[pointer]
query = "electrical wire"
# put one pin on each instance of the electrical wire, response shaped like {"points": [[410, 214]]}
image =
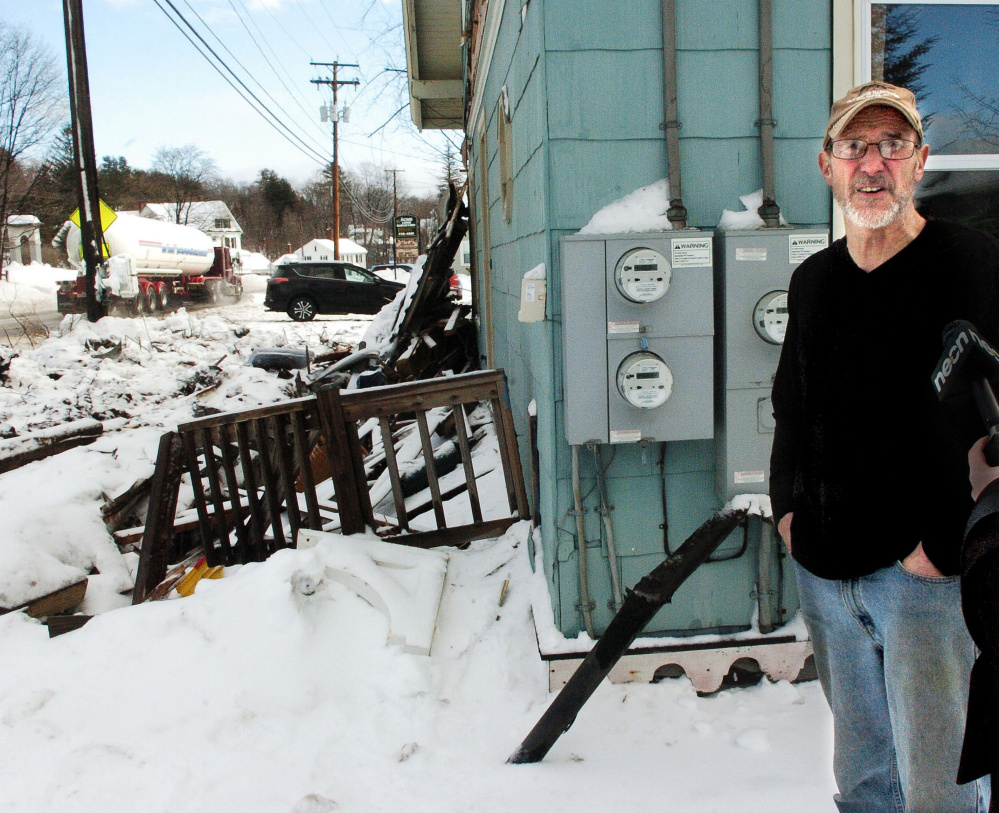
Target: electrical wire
{"points": [[245, 69], [299, 99], [274, 121]]}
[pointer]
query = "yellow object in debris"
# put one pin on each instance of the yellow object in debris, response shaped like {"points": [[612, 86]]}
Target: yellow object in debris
{"points": [[187, 585]]}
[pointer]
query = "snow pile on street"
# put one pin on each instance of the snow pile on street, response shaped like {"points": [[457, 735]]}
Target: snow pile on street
{"points": [[750, 218], [641, 210], [31, 287], [251, 696]]}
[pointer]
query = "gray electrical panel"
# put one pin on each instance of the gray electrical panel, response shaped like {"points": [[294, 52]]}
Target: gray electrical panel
{"points": [[637, 328], [753, 269]]}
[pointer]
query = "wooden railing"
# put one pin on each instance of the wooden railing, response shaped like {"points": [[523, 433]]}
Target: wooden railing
{"points": [[253, 472]]}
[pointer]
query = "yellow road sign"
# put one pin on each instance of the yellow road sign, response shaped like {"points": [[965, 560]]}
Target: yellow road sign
{"points": [[108, 216]]}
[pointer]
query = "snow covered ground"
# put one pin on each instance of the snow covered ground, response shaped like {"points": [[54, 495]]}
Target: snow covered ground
{"points": [[250, 696]]}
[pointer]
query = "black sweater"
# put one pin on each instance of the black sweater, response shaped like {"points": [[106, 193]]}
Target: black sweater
{"points": [[864, 455]]}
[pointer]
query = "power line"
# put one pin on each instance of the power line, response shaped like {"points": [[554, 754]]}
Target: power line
{"points": [[241, 65], [276, 123]]}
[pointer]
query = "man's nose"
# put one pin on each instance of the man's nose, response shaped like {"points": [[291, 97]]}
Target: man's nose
{"points": [[872, 161]]}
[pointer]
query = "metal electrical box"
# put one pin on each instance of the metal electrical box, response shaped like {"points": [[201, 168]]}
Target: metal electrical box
{"points": [[637, 328], [752, 276]]}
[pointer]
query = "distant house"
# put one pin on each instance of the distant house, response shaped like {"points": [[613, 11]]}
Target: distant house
{"points": [[210, 216], [22, 230], [350, 252]]}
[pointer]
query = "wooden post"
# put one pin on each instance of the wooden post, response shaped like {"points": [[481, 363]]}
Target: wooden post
{"points": [[334, 425], [159, 519]]}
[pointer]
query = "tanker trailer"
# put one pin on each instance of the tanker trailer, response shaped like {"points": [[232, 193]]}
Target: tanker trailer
{"points": [[168, 264]]}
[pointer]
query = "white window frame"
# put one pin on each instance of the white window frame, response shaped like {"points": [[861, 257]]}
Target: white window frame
{"points": [[862, 68]]}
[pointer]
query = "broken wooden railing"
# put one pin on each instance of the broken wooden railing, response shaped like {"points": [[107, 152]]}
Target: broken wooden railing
{"points": [[259, 475]]}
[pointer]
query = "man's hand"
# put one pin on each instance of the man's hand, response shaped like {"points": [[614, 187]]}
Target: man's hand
{"points": [[919, 563], [981, 472], [784, 529]]}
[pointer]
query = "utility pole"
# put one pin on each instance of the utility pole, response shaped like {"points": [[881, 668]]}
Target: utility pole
{"points": [[395, 212], [335, 84], [84, 156]]}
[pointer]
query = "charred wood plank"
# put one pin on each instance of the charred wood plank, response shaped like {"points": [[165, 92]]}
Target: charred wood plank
{"points": [[18, 452], [158, 531]]}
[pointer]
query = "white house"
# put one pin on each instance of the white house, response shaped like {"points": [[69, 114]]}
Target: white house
{"points": [[210, 216], [322, 249]]}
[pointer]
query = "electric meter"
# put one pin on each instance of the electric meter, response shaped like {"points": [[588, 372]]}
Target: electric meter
{"points": [[644, 380], [642, 275], [770, 317]]}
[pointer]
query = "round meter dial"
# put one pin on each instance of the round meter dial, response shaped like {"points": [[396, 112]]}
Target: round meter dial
{"points": [[644, 380], [642, 275], [770, 317]]}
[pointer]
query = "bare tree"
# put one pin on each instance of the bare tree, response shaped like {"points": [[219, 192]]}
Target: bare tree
{"points": [[31, 109], [187, 169]]}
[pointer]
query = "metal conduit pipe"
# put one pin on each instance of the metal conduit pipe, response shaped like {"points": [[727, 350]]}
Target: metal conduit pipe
{"points": [[769, 211], [608, 529], [677, 212], [584, 585]]}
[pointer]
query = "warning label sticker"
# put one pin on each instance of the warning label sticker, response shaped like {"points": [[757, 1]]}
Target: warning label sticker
{"points": [[625, 435], [802, 246], [751, 254], [690, 252], [741, 477], [624, 327]]}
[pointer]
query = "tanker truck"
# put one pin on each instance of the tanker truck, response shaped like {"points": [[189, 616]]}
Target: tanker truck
{"points": [[153, 266]]}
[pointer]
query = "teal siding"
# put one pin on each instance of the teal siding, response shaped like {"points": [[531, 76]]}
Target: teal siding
{"points": [[585, 85]]}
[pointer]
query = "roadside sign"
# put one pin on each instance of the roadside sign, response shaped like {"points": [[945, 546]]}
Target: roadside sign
{"points": [[108, 216], [407, 227]]}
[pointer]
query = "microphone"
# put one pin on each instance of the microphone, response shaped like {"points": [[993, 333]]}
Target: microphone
{"points": [[969, 361]]}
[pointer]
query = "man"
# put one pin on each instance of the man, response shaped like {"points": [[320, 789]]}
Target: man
{"points": [[876, 554], [980, 599]]}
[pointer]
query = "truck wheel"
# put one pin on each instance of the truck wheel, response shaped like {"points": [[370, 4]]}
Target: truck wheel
{"points": [[150, 298], [163, 295], [302, 309]]}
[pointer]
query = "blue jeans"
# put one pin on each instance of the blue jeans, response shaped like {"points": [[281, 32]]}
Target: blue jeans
{"points": [[894, 659]]}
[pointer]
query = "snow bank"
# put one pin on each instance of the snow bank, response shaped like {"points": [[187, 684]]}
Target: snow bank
{"points": [[250, 696], [641, 210]]}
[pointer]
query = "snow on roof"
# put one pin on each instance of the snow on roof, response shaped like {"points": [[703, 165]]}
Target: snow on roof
{"points": [[201, 214], [641, 210], [347, 246], [23, 220]]}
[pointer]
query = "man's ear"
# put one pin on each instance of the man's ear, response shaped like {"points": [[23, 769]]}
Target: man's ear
{"points": [[921, 155], [825, 166]]}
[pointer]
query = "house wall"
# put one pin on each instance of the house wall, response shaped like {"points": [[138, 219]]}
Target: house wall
{"points": [[586, 101]]}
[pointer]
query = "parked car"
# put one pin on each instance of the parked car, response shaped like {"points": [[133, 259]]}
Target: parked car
{"points": [[303, 289]]}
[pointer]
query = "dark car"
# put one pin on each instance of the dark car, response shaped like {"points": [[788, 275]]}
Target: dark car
{"points": [[303, 289]]}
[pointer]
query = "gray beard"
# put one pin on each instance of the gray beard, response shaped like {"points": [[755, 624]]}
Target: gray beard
{"points": [[875, 220]]}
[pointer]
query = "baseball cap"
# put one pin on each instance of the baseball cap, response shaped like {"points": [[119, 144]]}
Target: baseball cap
{"points": [[867, 95]]}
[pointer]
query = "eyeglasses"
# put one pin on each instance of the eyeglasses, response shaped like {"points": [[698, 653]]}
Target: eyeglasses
{"points": [[892, 149]]}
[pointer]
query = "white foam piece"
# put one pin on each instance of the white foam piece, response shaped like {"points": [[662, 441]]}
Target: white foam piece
{"points": [[404, 583]]}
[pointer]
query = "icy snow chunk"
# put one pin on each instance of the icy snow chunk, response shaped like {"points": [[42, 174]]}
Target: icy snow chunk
{"points": [[641, 210], [403, 583], [749, 219]]}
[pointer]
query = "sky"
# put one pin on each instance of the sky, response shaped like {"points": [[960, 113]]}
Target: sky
{"points": [[151, 88]]}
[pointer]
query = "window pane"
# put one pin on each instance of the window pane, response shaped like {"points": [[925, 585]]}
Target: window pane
{"points": [[971, 198], [945, 54], [356, 275]]}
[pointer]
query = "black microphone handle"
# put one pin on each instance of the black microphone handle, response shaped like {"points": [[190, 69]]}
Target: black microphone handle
{"points": [[988, 408]]}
